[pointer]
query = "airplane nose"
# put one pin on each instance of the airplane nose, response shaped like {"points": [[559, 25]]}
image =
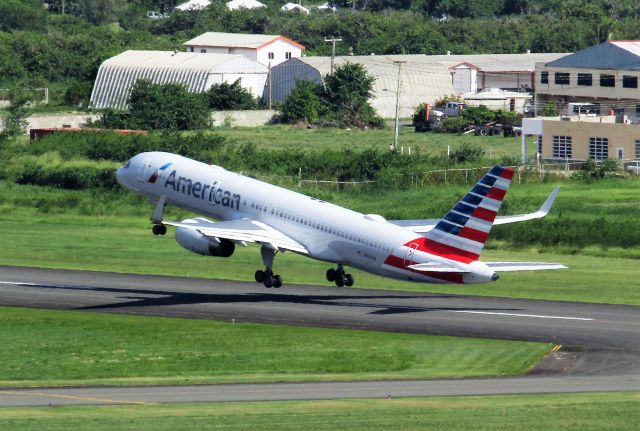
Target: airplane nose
{"points": [[119, 176]]}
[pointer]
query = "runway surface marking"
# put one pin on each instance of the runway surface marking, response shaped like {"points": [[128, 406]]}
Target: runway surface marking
{"points": [[488, 313], [71, 397]]}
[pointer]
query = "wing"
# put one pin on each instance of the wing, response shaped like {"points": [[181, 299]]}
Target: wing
{"points": [[522, 266], [243, 230], [423, 226]]}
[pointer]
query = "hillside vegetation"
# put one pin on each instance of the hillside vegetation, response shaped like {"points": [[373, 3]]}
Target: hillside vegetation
{"points": [[46, 48]]}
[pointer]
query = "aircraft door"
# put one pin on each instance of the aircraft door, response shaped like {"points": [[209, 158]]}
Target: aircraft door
{"points": [[408, 257], [144, 171]]}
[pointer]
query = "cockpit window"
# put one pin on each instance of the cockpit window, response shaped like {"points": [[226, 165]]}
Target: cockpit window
{"points": [[126, 165]]}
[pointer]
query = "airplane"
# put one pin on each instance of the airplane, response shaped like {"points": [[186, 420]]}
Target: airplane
{"points": [[280, 220]]}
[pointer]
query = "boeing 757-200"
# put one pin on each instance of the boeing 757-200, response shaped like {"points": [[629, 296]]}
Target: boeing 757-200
{"points": [[248, 210]]}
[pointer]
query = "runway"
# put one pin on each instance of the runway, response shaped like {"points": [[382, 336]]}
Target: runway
{"points": [[598, 340]]}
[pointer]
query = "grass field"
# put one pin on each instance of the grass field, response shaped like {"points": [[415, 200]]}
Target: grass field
{"points": [[284, 136], [44, 347], [586, 412], [126, 245]]}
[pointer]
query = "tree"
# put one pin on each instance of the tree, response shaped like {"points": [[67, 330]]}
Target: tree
{"points": [[100, 11], [167, 107], [16, 121], [303, 103], [347, 91], [225, 96], [21, 15]]}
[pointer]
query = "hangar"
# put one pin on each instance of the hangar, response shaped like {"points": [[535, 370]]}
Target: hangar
{"points": [[422, 79], [197, 71]]}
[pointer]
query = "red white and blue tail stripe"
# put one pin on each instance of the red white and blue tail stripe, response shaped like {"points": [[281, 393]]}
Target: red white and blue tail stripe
{"points": [[461, 234]]}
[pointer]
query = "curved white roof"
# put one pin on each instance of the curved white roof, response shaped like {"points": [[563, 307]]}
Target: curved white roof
{"points": [[117, 75]]}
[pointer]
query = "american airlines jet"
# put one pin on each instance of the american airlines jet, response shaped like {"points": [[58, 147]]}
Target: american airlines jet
{"points": [[248, 210]]}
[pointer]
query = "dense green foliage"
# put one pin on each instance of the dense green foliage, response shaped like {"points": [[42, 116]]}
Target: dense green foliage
{"points": [[226, 97], [166, 107], [36, 45], [342, 100], [303, 104]]}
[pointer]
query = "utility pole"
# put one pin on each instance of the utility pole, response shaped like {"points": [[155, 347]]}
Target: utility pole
{"points": [[270, 86], [333, 41], [395, 131]]}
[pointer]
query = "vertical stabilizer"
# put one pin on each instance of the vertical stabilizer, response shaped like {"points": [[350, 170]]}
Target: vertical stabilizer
{"points": [[461, 234]]}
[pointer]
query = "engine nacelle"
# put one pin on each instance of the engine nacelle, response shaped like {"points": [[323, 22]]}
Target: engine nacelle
{"points": [[195, 242]]}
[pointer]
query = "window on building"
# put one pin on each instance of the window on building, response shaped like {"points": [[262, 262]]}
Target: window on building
{"points": [[629, 81], [562, 147], [287, 55], [585, 79], [544, 77], [539, 144], [191, 49], [203, 51], [637, 148], [598, 148], [607, 80], [562, 78], [271, 56]]}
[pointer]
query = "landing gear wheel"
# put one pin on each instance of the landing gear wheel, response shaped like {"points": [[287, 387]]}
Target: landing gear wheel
{"points": [[348, 280], [259, 276], [331, 274], [277, 281], [268, 281], [340, 280], [159, 229]]}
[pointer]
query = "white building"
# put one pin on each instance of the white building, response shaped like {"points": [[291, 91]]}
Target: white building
{"points": [[476, 72], [244, 4], [294, 7], [193, 5], [198, 72], [263, 48], [422, 79]]}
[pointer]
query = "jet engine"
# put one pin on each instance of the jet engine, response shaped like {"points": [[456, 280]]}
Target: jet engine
{"points": [[198, 243]]}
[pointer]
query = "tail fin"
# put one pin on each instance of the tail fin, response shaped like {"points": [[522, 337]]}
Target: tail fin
{"points": [[461, 234]]}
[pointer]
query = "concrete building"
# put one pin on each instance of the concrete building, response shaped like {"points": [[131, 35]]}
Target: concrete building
{"points": [[421, 80], [198, 72], [583, 138], [193, 5], [604, 75], [263, 48], [476, 72]]}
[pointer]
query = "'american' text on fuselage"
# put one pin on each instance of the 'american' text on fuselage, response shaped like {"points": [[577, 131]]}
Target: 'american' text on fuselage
{"points": [[212, 193]]}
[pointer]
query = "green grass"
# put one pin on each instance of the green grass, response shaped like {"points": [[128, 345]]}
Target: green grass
{"points": [[44, 347], [587, 412], [126, 245], [318, 139]]}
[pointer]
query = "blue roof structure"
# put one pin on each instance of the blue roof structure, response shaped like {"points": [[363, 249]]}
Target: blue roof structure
{"points": [[615, 54]]}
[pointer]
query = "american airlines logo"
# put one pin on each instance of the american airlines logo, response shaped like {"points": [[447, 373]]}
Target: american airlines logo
{"points": [[211, 193]]}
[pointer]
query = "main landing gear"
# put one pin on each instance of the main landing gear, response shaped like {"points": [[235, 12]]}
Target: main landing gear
{"points": [[267, 277], [339, 277], [159, 229]]}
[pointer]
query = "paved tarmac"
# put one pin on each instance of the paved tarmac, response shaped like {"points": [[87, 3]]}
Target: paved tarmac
{"points": [[600, 342]]}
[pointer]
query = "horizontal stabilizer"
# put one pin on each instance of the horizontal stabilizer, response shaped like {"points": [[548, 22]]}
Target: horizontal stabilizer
{"points": [[436, 267], [522, 266]]}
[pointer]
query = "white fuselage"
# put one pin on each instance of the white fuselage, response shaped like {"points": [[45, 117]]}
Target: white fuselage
{"points": [[329, 232]]}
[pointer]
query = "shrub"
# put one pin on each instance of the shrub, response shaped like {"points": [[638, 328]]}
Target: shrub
{"points": [[478, 115], [228, 97], [78, 94], [453, 124], [467, 153], [303, 103]]}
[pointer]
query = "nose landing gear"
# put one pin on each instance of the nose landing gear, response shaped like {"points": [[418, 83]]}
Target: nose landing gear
{"points": [[339, 277]]}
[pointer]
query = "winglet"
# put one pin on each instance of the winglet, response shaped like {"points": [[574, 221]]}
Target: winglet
{"points": [[542, 211]]}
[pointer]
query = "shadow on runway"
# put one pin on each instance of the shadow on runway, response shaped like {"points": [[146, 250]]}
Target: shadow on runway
{"points": [[159, 298]]}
